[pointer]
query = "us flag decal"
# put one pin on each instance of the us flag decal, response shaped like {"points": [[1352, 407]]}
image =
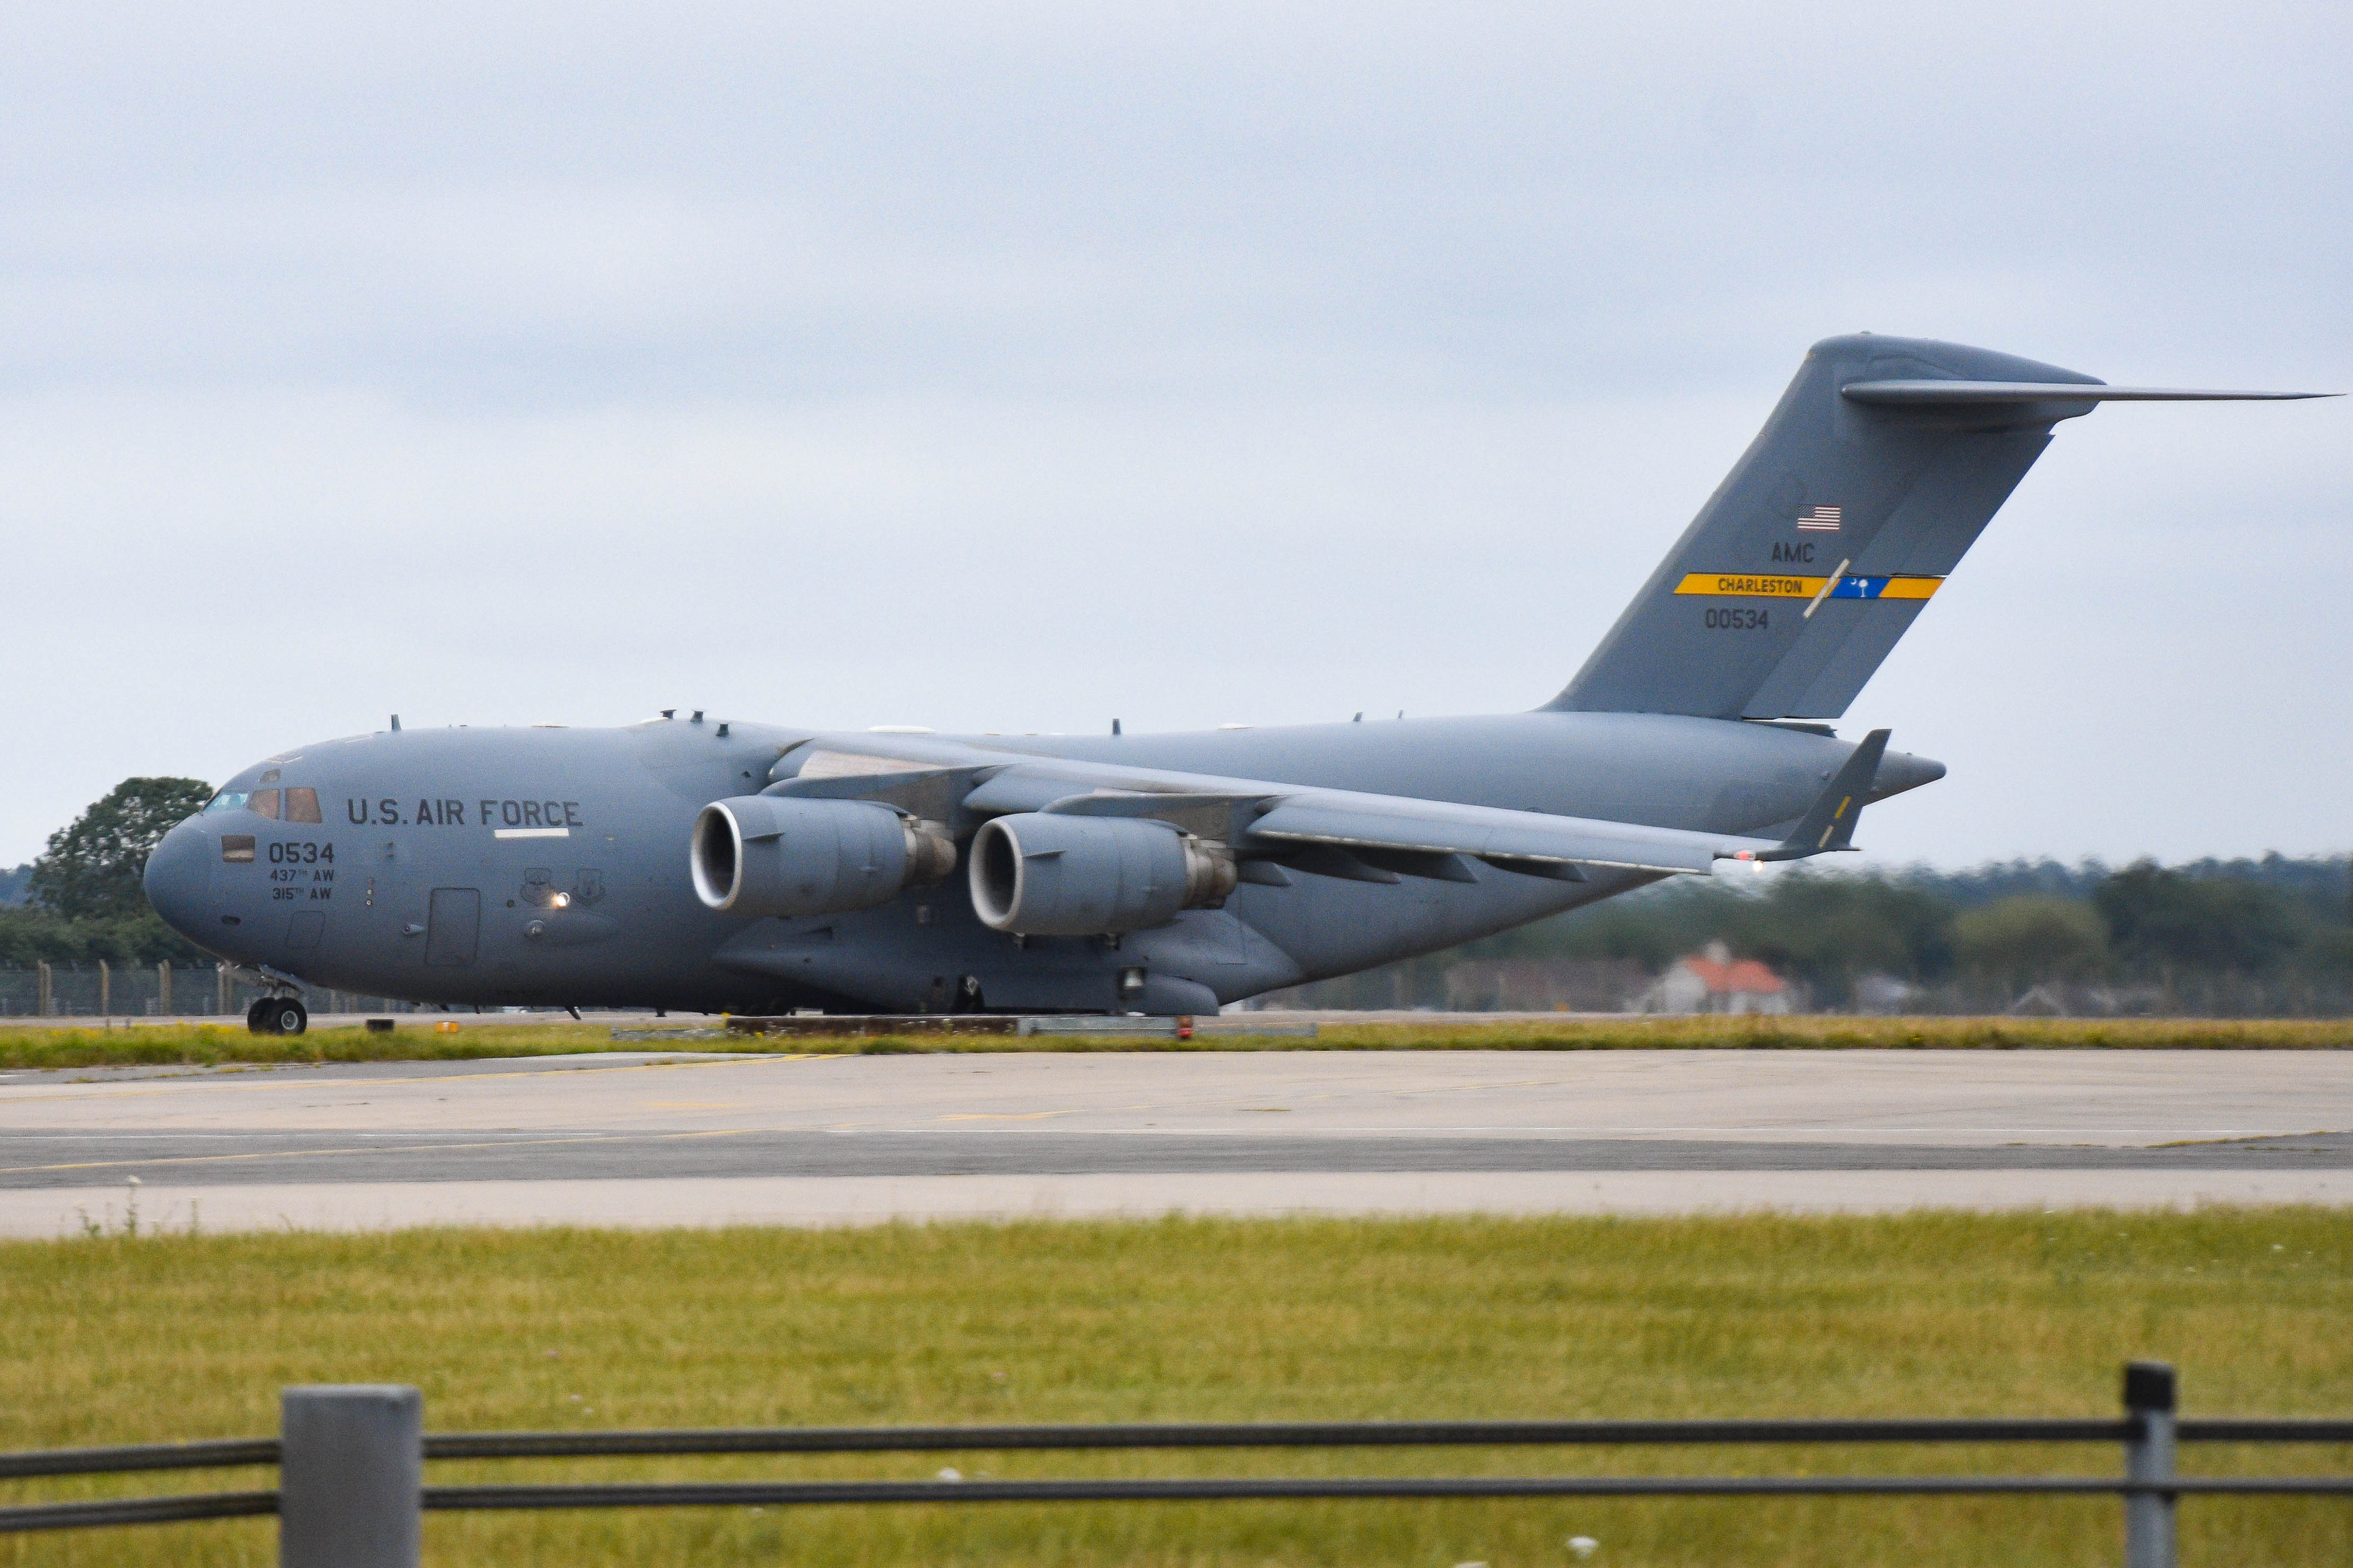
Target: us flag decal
{"points": [[1821, 519]]}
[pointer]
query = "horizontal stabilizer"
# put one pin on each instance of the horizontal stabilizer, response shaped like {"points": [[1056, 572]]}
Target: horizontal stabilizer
{"points": [[1969, 394]]}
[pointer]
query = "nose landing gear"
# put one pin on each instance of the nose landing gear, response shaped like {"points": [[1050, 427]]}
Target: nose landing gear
{"points": [[278, 1015]]}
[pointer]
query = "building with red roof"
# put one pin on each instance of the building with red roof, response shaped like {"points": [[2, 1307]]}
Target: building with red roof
{"points": [[1713, 981]]}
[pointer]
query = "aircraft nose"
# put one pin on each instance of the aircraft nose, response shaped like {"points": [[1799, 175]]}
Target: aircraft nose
{"points": [[178, 875]]}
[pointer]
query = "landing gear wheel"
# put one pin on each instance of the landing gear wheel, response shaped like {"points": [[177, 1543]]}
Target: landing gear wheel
{"points": [[283, 1015], [253, 1020]]}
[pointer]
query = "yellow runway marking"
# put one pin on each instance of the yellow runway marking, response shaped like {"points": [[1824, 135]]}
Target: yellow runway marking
{"points": [[1008, 1116], [379, 1149], [1473, 1088], [1039, 1115], [38, 1094]]}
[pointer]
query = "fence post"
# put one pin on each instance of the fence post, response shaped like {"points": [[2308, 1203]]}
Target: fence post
{"points": [[163, 988], [46, 1001], [105, 989], [351, 1476], [220, 987], [2148, 1456]]}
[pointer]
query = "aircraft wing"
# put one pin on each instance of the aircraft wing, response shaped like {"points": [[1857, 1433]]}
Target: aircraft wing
{"points": [[1386, 830], [1341, 833], [1530, 842]]}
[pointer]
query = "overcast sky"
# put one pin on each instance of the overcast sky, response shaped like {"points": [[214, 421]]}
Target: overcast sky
{"points": [[1020, 367]]}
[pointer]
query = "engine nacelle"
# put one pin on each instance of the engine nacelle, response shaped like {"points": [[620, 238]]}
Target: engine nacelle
{"points": [[769, 855], [1047, 874]]}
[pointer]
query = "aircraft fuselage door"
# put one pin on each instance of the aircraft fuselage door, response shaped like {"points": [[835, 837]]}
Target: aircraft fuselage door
{"points": [[453, 925]]}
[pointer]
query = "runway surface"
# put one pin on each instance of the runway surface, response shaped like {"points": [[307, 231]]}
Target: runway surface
{"points": [[670, 1139]]}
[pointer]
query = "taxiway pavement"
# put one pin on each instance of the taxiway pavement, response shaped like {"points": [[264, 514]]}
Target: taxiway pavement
{"points": [[678, 1139]]}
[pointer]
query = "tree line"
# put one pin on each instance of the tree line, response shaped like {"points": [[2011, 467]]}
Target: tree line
{"points": [[2267, 935], [81, 900]]}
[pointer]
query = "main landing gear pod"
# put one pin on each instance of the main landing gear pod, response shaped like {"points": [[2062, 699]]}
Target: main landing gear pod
{"points": [[764, 854], [1045, 874], [276, 1016]]}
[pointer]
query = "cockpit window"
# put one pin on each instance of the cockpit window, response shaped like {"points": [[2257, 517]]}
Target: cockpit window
{"points": [[299, 805]]}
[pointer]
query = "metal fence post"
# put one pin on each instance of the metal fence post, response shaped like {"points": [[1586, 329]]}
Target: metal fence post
{"points": [[351, 1476], [2148, 1457], [105, 989], [163, 988]]}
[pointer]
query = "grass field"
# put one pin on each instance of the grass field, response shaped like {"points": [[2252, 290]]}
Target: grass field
{"points": [[214, 1045], [118, 1340]]}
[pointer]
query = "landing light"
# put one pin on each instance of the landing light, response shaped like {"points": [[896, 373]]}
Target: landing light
{"points": [[561, 900]]}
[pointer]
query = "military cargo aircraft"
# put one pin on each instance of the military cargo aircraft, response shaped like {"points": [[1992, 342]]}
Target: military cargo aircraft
{"points": [[719, 864]]}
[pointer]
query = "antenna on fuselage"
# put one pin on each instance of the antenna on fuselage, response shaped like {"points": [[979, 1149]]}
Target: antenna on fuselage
{"points": [[395, 722]]}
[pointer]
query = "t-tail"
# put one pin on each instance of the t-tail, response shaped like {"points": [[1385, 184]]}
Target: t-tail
{"points": [[1883, 463]]}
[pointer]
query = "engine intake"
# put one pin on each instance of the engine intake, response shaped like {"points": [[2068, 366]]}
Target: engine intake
{"points": [[1047, 874], [764, 854]]}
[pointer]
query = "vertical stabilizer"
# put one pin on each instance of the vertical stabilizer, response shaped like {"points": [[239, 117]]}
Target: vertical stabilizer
{"points": [[1830, 534]]}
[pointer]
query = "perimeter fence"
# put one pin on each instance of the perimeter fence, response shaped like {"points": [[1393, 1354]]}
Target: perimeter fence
{"points": [[104, 990], [351, 1491]]}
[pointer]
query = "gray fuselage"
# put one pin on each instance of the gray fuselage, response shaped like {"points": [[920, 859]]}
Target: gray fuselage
{"points": [[548, 866], [551, 866]]}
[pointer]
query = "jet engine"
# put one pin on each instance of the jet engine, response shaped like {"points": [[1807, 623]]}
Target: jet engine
{"points": [[765, 855], [1047, 874]]}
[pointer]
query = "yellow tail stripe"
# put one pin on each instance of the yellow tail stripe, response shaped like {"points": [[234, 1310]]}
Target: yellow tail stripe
{"points": [[1911, 587], [1761, 586]]}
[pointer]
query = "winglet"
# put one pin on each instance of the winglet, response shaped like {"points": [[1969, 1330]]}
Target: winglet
{"points": [[1829, 823]]}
